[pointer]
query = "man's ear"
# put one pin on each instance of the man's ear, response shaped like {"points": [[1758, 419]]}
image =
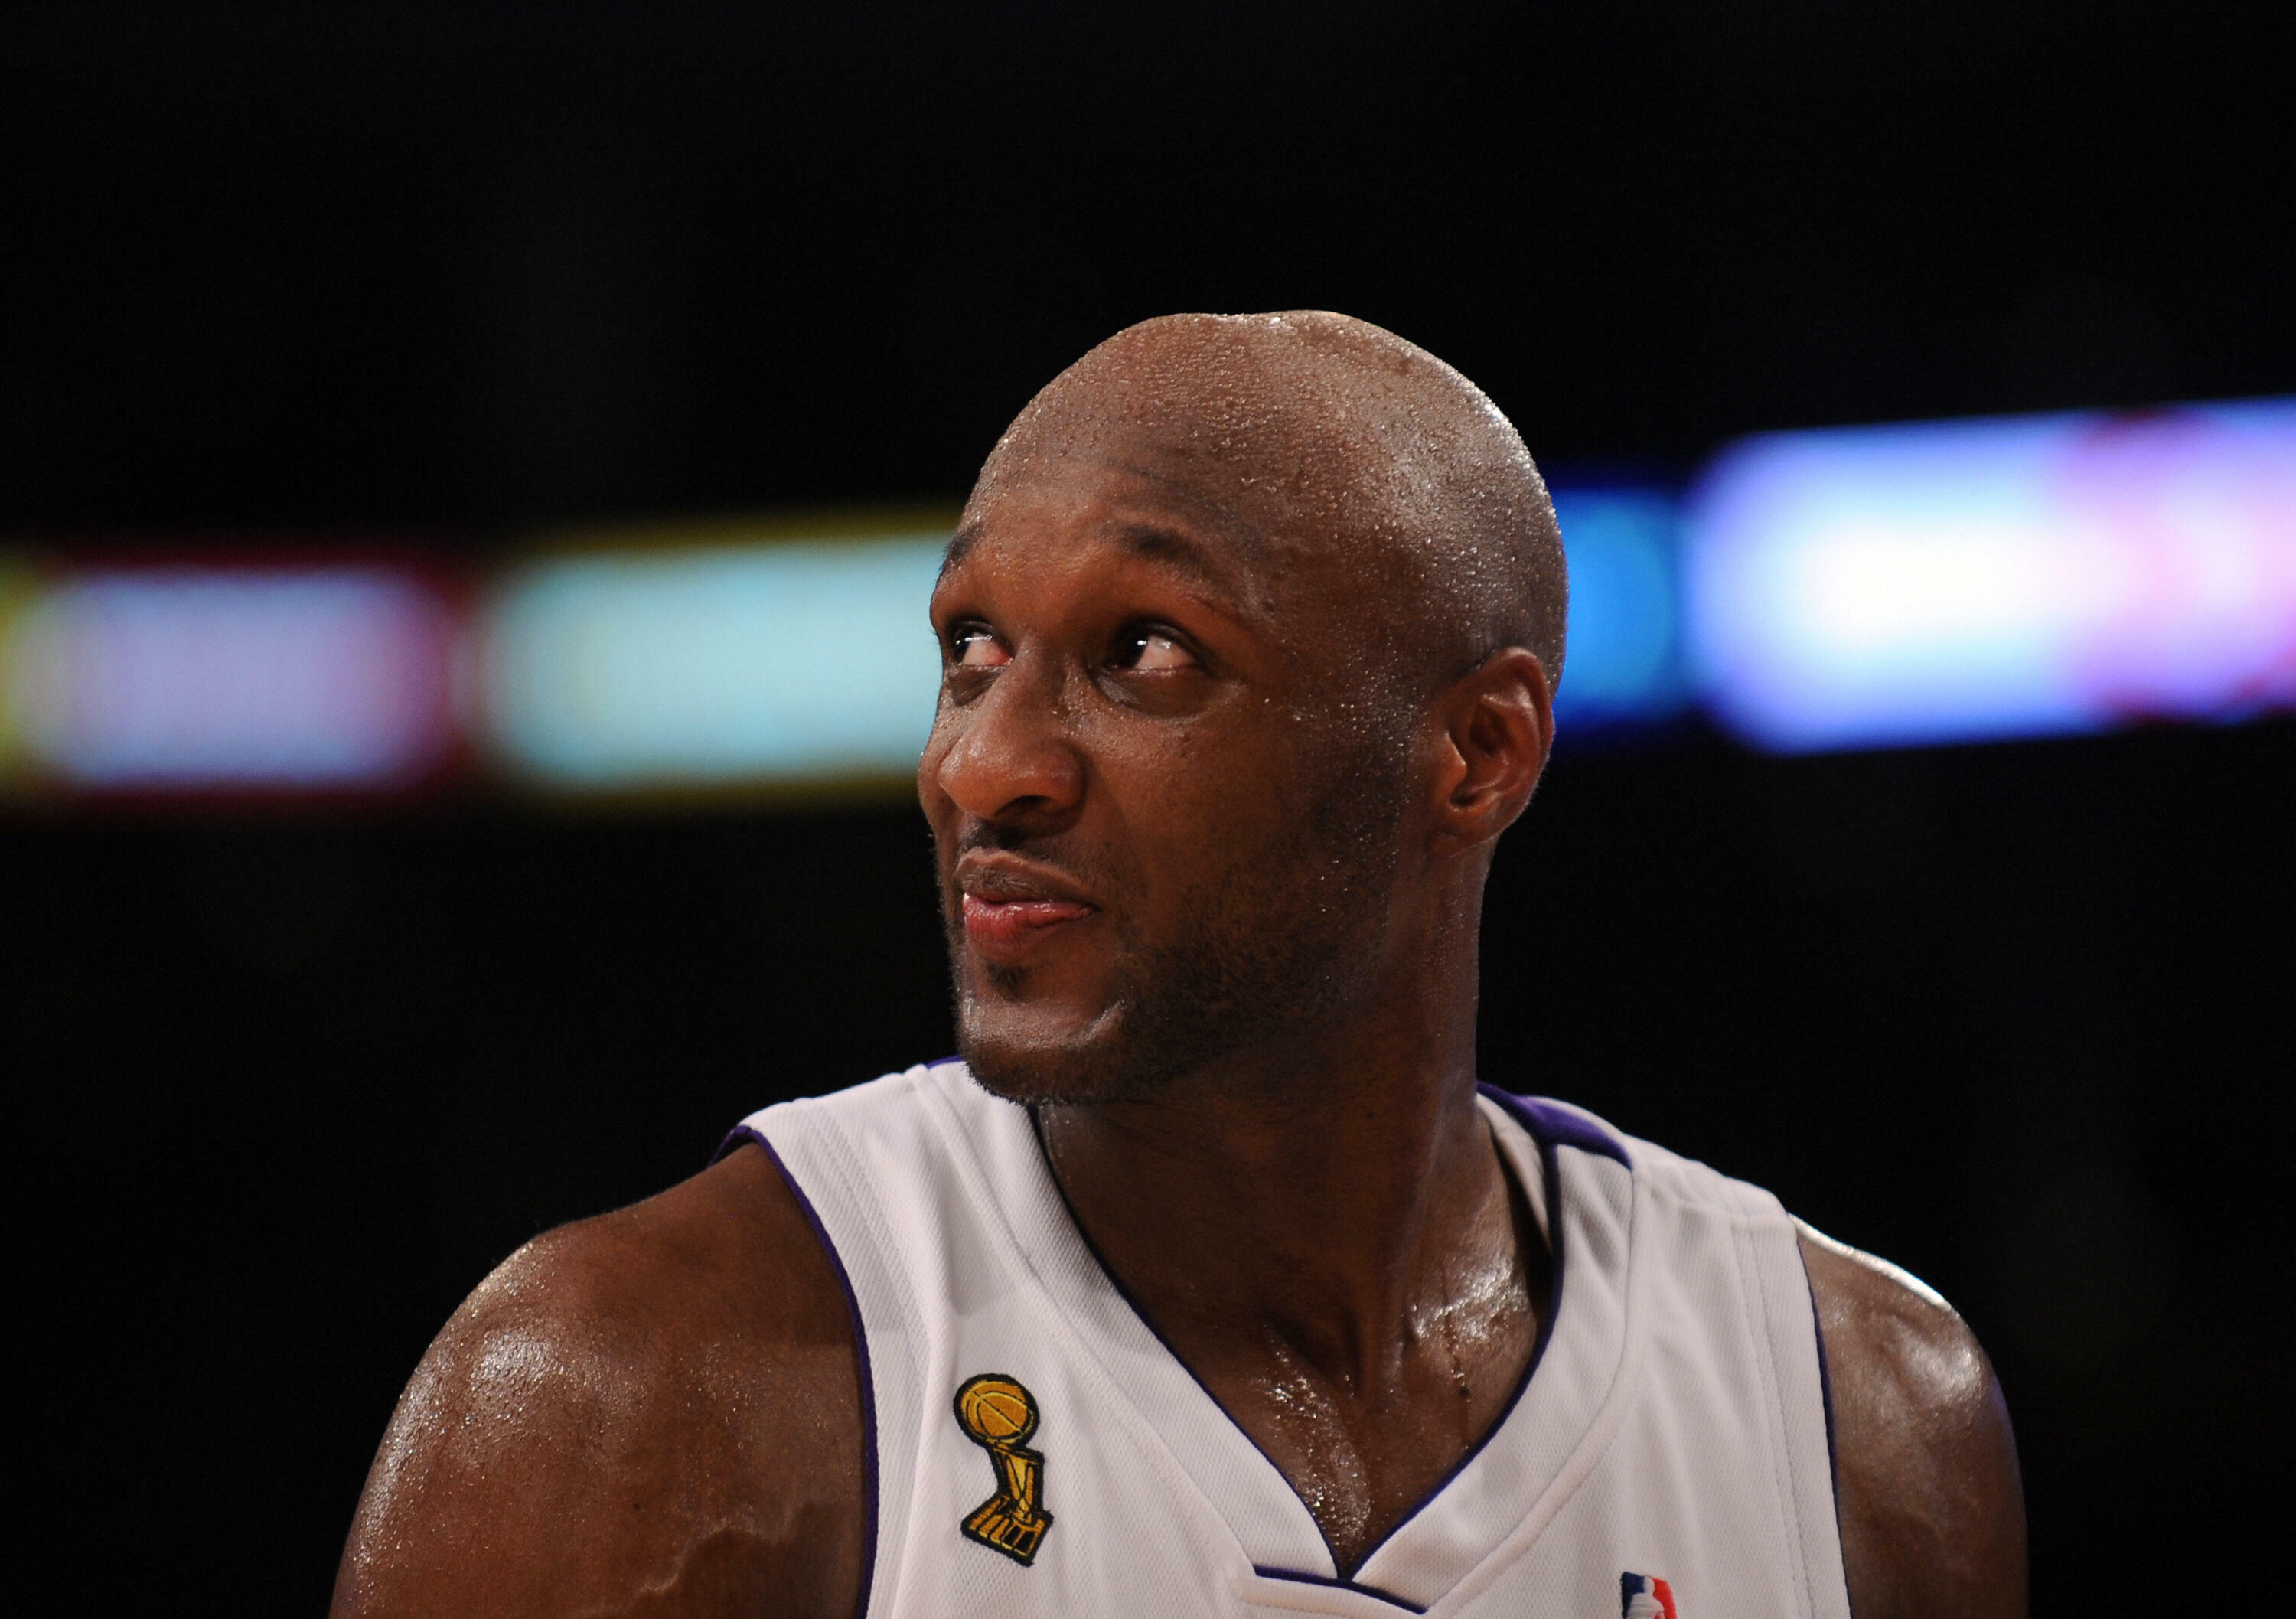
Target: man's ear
{"points": [[1498, 726]]}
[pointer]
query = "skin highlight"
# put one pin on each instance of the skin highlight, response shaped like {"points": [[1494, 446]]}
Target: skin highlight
{"points": [[1249, 636]]}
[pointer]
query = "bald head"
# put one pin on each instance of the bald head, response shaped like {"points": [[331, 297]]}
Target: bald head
{"points": [[1350, 462], [1247, 637]]}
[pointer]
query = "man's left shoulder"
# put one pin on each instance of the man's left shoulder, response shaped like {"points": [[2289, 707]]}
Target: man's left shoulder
{"points": [[1932, 1514]]}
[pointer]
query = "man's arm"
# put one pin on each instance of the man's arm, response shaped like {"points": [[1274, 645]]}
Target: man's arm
{"points": [[656, 1412], [1932, 1514]]}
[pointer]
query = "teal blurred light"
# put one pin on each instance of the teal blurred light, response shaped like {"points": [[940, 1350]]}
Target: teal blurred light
{"points": [[726, 666]]}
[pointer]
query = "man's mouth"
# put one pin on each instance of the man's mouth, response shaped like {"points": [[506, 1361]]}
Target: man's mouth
{"points": [[1002, 927], [1011, 908]]}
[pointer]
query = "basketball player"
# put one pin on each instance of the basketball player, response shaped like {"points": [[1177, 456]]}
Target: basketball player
{"points": [[1210, 1282]]}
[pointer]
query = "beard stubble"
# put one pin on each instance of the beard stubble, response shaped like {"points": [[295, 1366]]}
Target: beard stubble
{"points": [[1279, 939]]}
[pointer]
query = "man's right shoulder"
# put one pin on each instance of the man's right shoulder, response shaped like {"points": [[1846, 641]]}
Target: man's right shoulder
{"points": [[654, 1411]]}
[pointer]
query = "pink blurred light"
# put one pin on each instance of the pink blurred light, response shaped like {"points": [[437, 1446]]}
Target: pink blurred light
{"points": [[190, 678]]}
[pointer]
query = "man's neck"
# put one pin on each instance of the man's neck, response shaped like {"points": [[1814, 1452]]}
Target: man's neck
{"points": [[1328, 1240], [1314, 1210]]}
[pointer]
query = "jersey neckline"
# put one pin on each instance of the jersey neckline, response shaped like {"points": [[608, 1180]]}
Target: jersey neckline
{"points": [[1494, 1487]]}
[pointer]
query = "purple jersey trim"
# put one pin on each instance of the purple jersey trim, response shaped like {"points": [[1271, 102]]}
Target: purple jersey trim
{"points": [[1825, 1395], [1548, 1123], [743, 1135], [1372, 1591]]}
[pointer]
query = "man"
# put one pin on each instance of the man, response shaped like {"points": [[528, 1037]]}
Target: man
{"points": [[1210, 1282]]}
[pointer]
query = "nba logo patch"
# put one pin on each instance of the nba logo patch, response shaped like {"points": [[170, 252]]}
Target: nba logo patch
{"points": [[1645, 1597]]}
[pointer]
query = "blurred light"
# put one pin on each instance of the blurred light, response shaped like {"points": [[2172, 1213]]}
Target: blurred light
{"points": [[737, 664], [187, 677], [2011, 577], [1856, 589], [17, 584], [1622, 664]]}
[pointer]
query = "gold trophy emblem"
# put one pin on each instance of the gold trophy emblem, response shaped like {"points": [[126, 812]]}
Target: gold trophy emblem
{"points": [[1000, 1416]]}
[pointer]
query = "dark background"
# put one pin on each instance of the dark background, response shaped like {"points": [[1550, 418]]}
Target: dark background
{"points": [[285, 1082]]}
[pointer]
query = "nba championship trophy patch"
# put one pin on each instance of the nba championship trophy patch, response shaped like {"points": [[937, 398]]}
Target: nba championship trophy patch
{"points": [[1644, 1597], [1000, 1416]]}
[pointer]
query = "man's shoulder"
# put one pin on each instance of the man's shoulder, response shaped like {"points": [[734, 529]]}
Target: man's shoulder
{"points": [[1933, 1517], [628, 1401], [1931, 1509], [726, 1259]]}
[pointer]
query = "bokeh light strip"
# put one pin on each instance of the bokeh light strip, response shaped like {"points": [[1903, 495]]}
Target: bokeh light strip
{"points": [[171, 679], [1862, 587], [2028, 577], [1622, 667], [719, 666]]}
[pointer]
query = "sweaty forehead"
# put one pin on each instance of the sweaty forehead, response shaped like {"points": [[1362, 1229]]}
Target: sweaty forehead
{"points": [[1340, 465], [1282, 432], [1116, 499], [1293, 445]]}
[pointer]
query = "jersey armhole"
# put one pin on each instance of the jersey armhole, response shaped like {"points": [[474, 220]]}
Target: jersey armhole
{"points": [[1824, 1388], [749, 1135]]}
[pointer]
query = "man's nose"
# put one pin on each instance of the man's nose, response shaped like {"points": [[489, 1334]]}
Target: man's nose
{"points": [[1013, 756]]}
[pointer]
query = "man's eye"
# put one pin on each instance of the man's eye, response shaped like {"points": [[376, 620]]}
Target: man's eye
{"points": [[1151, 651], [973, 646]]}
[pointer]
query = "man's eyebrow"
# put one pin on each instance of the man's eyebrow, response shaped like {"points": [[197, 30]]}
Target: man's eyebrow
{"points": [[1180, 551], [960, 545], [1175, 548]]}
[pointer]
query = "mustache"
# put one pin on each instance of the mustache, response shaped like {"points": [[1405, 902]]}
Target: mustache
{"points": [[1055, 852], [984, 837]]}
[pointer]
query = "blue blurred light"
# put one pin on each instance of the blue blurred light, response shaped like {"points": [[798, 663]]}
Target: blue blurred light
{"points": [[167, 678], [1622, 664], [721, 666], [2025, 577]]}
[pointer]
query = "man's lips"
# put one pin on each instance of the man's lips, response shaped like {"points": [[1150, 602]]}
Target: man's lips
{"points": [[1004, 927], [1012, 906]]}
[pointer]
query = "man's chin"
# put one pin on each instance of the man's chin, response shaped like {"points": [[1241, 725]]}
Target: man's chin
{"points": [[1043, 1065], [1035, 1076]]}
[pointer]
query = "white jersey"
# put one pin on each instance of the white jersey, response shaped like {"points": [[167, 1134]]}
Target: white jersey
{"points": [[1034, 1449]]}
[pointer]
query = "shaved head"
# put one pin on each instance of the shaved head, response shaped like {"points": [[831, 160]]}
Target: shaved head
{"points": [[1334, 447]]}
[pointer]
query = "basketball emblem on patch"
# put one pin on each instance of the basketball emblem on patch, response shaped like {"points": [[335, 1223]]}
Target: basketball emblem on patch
{"points": [[1000, 1416], [1645, 1597]]}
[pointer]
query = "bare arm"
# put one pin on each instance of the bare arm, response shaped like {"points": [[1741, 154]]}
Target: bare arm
{"points": [[656, 1412], [1932, 1514]]}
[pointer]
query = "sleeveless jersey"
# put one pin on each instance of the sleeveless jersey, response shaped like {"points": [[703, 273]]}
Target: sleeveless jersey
{"points": [[1034, 1449]]}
